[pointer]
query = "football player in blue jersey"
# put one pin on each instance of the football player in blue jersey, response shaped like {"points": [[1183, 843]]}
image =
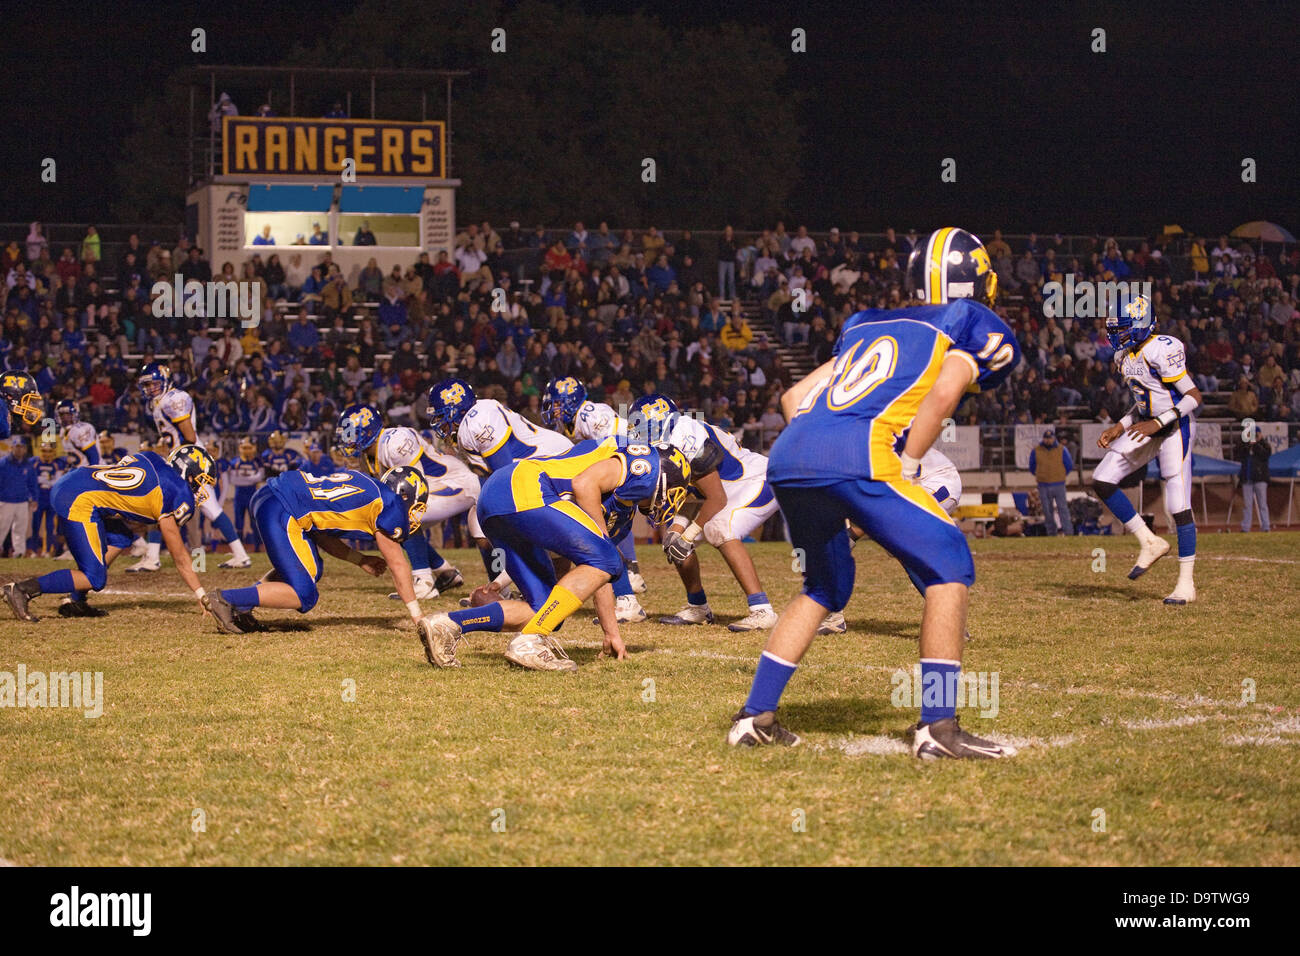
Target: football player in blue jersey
{"points": [[564, 504], [299, 515], [247, 472], [100, 504], [50, 467], [895, 372], [279, 457]]}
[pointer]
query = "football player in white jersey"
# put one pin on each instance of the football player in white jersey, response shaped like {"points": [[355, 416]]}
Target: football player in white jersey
{"points": [[491, 436], [80, 442], [737, 501], [566, 409], [1161, 424], [173, 415], [453, 488]]}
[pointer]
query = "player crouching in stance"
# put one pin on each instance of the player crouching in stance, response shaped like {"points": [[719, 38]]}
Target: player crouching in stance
{"points": [[1161, 424], [298, 515], [100, 504], [837, 460], [561, 505]]}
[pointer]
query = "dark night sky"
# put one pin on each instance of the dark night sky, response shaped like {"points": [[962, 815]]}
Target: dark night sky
{"points": [[1046, 134]]}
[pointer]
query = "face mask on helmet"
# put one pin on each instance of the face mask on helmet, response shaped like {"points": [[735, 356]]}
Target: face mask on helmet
{"points": [[449, 402], [22, 396]]}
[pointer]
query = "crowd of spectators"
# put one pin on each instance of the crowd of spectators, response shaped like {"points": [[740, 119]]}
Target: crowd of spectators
{"points": [[628, 312]]}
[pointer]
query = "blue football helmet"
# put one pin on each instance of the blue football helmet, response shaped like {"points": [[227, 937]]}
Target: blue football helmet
{"points": [[155, 378], [560, 404], [651, 419], [67, 412], [359, 428], [1132, 324], [952, 264], [449, 402], [413, 491]]}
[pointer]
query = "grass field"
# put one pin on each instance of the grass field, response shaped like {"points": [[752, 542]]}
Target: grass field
{"points": [[1118, 703]]}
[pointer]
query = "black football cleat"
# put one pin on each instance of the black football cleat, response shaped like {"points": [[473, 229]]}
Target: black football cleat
{"points": [[223, 613], [17, 598], [249, 624], [754, 730], [70, 608], [446, 580], [945, 738]]}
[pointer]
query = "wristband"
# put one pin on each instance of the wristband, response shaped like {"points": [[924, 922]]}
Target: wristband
{"points": [[414, 608], [911, 466], [1126, 422], [1167, 417], [691, 531], [200, 593]]}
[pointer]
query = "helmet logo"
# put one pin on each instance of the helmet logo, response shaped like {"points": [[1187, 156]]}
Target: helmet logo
{"points": [[452, 394], [1137, 308], [656, 410], [981, 257], [567, 386]]}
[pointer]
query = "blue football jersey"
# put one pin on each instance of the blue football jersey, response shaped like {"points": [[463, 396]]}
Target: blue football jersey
{"points": [[342, 501], [886, 361], [140, 488]]}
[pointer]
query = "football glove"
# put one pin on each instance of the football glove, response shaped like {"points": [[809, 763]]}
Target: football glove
{"points": [[680, 545]]}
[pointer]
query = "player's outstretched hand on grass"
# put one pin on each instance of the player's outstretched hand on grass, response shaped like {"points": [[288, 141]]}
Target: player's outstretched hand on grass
{"points": [[614, 647]]}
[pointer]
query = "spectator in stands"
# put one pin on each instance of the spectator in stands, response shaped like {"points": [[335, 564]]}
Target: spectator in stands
{"points": [[364, 236], [304, 338], [1244, 402], [318, 237], [90, 245], [223, 107], [264, 238], [1254, 476], [737, 335], [337, 111], [727, 250], [37, 245], [1051, 465]]}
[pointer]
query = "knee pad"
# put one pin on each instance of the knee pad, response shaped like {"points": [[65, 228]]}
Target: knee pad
{"points": [[717, 530], [1184, 518], [1104, 489]]}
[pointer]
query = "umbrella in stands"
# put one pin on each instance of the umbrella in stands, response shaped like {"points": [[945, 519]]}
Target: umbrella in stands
{"points": [[1263, 231]]}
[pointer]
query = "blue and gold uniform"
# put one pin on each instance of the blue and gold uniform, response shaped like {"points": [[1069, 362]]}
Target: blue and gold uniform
{"points": [[277, 462], [837, 459], [95, 503], [48, 471], [291, 509], [527, 509]]}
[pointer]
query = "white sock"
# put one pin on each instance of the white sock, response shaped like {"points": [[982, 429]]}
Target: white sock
{"points": [[1137, 526], [237, 552], [153, 553], [1185, 567]]}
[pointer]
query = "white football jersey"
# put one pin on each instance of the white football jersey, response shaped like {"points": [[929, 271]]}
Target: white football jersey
{"points": [[490, 426], [398, 447], [170, 409], [598, 421], [689, 434], [79, 439], [1151, 372]]}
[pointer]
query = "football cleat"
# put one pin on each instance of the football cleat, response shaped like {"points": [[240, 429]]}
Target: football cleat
{"points": [[71, 608], [64, 555], [425, 590], [627, 610], [945, 738], [759, 620], [833, 623], [232, 564], [447, 579], [1153, 549], [539, 652], [139, 548], [691, 614], [245, 621], [439, 634], [753, 730], [637, 582], [1182, 595], [144, 564], [223, 613], [17, 600]]}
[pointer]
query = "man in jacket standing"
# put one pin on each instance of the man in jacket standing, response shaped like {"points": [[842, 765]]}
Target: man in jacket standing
{"points": [[1254, 478], [1051, 464]]}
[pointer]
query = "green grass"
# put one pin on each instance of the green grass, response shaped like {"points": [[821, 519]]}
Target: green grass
{"points": [[1124, 704]]}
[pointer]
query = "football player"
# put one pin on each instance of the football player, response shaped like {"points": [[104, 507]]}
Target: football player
{"points": [[247, 472], [318, 463], [100, 504], [453, 489], [1161, 424], [737, 501], [79, 439], [838, 459], [565, 409], [173, 415], [50, 467], [535, 506], [491, 437], [22, 398], [299, 515], [108, 450], [279, 457]]}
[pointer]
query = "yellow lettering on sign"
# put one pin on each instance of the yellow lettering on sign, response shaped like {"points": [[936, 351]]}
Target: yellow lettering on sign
{"points": [[422, 151], [335, 149], [304, 149], [363, 148], [391, 151], [246, 147], [277, 149]]}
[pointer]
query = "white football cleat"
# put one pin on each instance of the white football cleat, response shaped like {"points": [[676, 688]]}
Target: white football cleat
{"points": [[139, 547], [1153, 549], [439, 634], [65, 555], [691, 614], [637, 582], [144, 564], [539, 652], [627, 610], [233, 564], [424, 590], [833, 623], [1183, 594], [759, 620]]}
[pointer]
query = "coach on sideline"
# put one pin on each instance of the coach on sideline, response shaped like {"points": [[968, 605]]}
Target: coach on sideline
{"points": [[18, 489], [1051, 464]]}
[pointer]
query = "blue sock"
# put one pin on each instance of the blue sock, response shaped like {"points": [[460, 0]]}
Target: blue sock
{"points": [[56, 582], [436, 561], [225, 527], [916, 581], [1187, 540], [154, 536], [417, 550], [622, 585], [938, 689], [757, 598], [489, 617], [627, 548], [78, 596], [242, 599], [1120, 506], [769, 684], [697, 598]]}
